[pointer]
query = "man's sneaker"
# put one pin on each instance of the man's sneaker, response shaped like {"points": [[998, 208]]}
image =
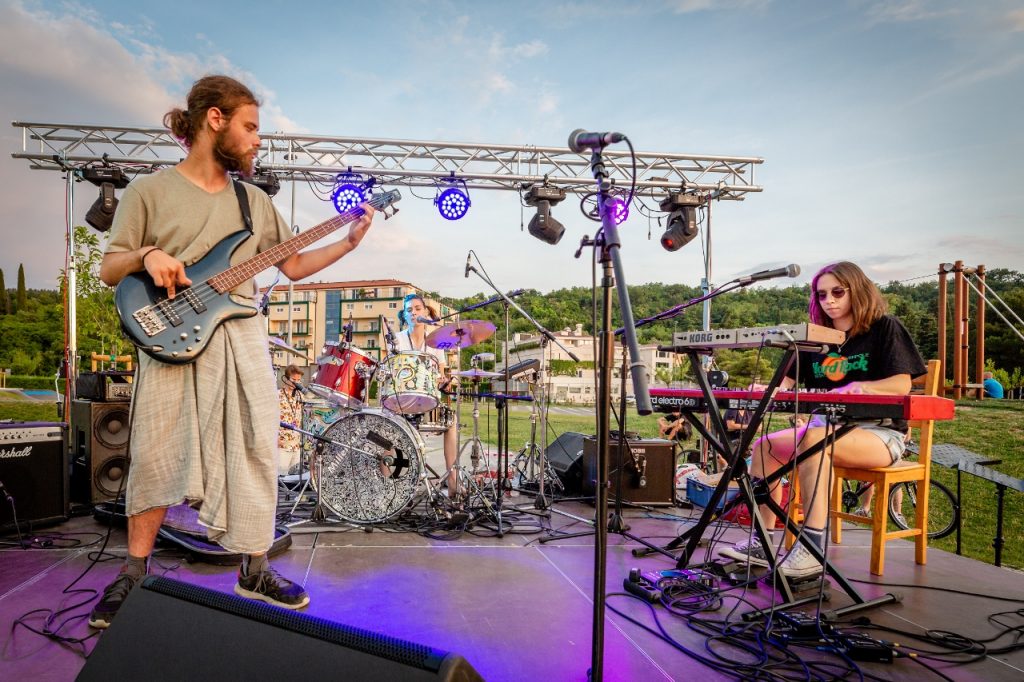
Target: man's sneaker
{"points": [[106, 608], [799, 563], [747, 551], [273, 588]]}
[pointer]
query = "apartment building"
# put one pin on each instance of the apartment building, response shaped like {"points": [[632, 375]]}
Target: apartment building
{"points": [[319, 310]]}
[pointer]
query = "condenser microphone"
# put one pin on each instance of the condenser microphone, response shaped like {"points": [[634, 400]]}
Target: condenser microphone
{"points": [[468, 266], [580, 139], [426, 320], [791, 270]]}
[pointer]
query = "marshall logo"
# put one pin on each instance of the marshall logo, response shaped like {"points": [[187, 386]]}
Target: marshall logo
{"points": [[11, 453]]}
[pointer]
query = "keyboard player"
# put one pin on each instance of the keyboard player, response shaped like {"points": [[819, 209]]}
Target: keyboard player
{"points": [[877, 357]]}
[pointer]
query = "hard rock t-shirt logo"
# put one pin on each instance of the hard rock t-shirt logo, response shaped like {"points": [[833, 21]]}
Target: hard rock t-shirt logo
{"points": [[835, 366]]}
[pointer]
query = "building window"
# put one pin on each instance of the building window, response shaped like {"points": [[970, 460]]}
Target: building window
{"points": [[393, 305], [350, 306], [575, 389], [367, 306]]}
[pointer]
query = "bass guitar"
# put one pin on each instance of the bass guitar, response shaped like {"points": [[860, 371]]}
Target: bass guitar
{"points": [[176, 331]]}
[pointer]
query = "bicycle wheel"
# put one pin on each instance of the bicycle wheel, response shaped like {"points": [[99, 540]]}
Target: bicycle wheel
{"points": [[943, 512], [852, 490]]}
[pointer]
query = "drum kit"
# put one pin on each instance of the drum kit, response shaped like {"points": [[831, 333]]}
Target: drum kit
{"points": [[365, 462]]}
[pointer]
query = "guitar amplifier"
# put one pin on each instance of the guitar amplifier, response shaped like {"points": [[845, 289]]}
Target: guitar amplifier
{"points": [[652, 484], [34, 473], [109, 386]]}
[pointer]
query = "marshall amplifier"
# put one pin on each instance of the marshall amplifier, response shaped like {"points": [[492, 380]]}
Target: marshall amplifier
{"points": [[647, 474], [33, 474]]}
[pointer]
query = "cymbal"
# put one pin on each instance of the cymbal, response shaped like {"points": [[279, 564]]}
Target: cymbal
{"points": [[461, 335], [275, 341], [477, 374]]}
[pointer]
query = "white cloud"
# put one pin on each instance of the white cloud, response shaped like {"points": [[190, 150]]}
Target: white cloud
{"points": [[905, 11], [1015, 20]]}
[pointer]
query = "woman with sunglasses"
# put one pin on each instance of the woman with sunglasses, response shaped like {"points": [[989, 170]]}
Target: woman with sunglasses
{"points": [[877, 357]]}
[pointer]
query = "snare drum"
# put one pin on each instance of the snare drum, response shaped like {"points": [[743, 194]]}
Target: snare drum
{"points": [[408, 382], [343, 375], [437, 420]]}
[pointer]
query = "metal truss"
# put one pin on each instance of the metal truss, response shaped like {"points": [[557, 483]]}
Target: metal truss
{"points": [[50, 146]]}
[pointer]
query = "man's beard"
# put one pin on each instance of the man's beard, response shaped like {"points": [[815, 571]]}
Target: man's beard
{"points": [[233, 162]]}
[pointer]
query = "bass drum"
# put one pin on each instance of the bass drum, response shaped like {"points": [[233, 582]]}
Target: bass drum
{"points": [[370, 471]]}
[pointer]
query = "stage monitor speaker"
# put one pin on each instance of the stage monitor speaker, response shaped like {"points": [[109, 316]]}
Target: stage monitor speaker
{"points": [[100, 442], [170, 630], [34, 474], [653, 484], [565, 457]]}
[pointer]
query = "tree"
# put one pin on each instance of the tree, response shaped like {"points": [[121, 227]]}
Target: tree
{"points": [[5, 300], [22, 296], [99, 328]]}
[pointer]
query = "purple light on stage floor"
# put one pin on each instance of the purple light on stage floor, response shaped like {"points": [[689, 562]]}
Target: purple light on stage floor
{"points": [[452, 203]]}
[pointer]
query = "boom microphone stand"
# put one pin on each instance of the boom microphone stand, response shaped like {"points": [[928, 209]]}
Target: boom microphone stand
{"points": [[541, 500], [609, 243]]}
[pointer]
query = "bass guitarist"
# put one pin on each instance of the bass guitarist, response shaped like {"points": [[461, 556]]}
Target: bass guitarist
{"points": [[206, 432]]}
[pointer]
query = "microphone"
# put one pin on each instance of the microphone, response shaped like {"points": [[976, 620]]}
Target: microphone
{"points": [[791, 270], [426, 320], [389, 336], [580, 139], [468, 266]]}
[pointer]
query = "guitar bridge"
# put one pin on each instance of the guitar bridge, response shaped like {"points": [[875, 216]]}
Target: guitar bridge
{"points": [[148, 320]]}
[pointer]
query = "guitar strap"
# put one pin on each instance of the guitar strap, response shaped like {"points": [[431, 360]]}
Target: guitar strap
{"points": [[243, 204]]}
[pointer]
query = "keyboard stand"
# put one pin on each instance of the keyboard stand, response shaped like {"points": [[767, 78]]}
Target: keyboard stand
{"points": [[753, 492]]}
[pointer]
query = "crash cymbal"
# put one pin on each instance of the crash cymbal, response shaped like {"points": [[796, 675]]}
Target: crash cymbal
{"points": [[275, 341], [461, 335], [477, 374]]}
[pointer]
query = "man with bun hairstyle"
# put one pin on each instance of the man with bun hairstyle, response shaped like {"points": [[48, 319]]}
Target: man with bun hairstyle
{"points": [[206, 432]]}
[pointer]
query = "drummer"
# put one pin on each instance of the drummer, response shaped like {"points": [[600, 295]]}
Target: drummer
{"points": [[412, 336]]}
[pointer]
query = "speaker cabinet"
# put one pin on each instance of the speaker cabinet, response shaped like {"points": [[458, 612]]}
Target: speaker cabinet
{"points": [[651, 484], [34, 473], [564, 456], [100, 444], [171, 630]]}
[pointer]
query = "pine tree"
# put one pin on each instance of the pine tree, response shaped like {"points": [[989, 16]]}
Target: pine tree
{"points": [[22, 295], [5, 300]]}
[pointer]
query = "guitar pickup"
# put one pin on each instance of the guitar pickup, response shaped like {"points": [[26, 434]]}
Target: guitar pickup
{"points": [[193, 300], [166, 306], [148, 320]]}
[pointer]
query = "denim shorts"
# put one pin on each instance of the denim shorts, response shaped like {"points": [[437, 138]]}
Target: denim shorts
{"points": [[893, 439]]}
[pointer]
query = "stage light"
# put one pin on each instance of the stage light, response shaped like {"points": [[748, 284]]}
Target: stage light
{"points": [[101, 214], [349, 191], [542, 225], [682, 220], [265, 180], [619, 209], [453, 203]]}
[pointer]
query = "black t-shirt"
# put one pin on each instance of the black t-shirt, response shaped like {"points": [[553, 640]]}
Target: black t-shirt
{"points": [[884, 350]]}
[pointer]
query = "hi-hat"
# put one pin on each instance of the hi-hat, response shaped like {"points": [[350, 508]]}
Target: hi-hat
{"points": [[275, 341], [461, 335], [477, 374]]}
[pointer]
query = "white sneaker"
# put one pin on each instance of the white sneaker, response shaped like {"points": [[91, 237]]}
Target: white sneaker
{"points": [[799, 563], [747, 551]]}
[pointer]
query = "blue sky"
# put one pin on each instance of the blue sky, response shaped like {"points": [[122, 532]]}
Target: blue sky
{"points": [[890, 130]]}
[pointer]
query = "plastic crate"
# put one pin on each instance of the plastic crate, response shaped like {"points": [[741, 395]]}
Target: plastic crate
{"points": [[700, 493]]}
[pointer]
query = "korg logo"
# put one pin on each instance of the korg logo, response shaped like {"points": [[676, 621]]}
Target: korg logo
{"points": [[11, 453], [701, 337]]}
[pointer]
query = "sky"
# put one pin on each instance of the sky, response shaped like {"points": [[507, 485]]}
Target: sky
{"points": [[890, 131]]}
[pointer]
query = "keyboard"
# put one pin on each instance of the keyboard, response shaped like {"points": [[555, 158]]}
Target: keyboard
{"points": [[755, 337]]}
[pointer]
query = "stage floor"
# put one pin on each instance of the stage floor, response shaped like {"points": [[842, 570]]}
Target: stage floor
{"points": [[515, 608]]}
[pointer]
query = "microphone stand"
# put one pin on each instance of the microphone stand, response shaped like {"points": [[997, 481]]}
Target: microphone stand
{"points": [[609, 242], [540, 502]]}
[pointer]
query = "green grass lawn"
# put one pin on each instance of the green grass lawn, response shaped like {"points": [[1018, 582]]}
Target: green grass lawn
{"points": [[992, 428]]}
